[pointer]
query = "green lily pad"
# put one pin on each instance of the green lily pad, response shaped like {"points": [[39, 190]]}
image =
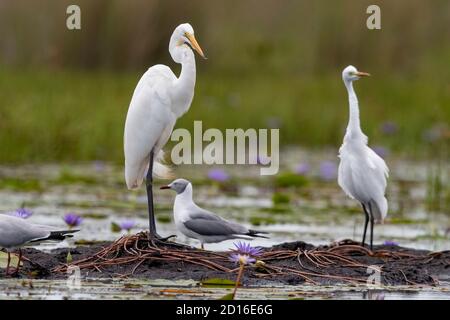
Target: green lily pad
{"points": [[218, 283], [97, 216], [115, 227], [228, 296], [288, 179]]}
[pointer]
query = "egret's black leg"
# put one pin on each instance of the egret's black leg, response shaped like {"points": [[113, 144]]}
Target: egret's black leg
{"points": [[365, 225], [371, 226], [153, 235], [151, 209]]}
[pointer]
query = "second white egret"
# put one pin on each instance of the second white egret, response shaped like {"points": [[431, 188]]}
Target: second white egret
{"points": [[362, 173]]}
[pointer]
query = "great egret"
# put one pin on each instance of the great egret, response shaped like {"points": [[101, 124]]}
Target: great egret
{"points": [[159, 99], [362, 173], [16, 232], [197, 223]]}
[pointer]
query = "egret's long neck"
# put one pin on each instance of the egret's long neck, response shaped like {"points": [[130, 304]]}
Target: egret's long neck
{"points": [[353, 127], [185, 84]]}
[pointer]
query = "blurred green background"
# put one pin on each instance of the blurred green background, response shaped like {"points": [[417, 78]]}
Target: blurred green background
{"points": [[64, 94]]}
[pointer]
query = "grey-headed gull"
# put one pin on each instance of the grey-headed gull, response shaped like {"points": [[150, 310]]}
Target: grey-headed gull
{"points": [[16, 232], [205, 226]]}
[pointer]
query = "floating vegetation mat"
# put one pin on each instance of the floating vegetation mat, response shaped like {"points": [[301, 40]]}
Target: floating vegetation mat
{"points": [[288, 263]]}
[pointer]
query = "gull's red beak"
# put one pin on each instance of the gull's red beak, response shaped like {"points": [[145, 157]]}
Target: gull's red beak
{"points": [[164, 187]]}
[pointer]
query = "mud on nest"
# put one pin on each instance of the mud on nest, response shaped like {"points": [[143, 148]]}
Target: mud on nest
{"points": [[287, 263]]}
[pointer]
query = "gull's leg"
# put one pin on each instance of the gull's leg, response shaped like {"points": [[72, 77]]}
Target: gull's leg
{"points": [[8, 263], [20, 259], [371, 226], [202, 246], [365, 225], [153, 235], [16, 271]]}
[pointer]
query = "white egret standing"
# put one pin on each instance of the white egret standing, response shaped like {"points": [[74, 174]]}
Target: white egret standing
{"points": [[159, 99], [362, 173]]}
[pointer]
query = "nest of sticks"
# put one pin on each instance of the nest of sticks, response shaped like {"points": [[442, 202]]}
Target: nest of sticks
{"points": [[343, 262]]}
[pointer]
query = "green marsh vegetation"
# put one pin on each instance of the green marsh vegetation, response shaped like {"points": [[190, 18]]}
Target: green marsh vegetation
{"points": [[64, 94]]}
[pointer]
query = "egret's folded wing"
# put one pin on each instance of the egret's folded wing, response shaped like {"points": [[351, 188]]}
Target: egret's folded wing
{"points": [[148, 116]]}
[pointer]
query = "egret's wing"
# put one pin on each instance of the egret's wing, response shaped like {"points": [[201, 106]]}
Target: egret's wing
{"points": [[362, 173], [345, 178], [379, 166], [148, 117]]}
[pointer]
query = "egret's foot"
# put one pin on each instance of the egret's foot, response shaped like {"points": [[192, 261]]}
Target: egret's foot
{"points": [[157, 241], [157, 237]]}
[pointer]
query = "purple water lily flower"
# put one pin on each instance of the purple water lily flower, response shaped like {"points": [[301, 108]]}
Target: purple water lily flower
{"points": [[99, 165], [244, 253], [72, 220], [302, 168], [381, 151], [127, 225], [242, 259], [389, 128], [328, 170], [23, 213], [262, 160], [245, 248], [390, 243], [218, 175]]}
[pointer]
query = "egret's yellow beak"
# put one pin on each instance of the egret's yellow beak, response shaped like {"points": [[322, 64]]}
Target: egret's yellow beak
{"points": [[362, 74], [195, 44]]}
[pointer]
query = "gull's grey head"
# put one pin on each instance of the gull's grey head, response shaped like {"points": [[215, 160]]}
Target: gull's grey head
{"points": [[178, 185]]}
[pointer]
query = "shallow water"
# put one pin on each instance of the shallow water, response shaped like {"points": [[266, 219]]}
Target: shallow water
{"points": [[317, 213], [164, 289]]}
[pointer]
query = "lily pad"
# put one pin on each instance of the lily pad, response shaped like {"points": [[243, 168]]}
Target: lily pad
{"points": [[218, 283], [228, 296]]}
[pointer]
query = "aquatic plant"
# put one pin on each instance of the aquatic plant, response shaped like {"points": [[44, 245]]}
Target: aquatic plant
{"points": [[389, 128], [280, 198], [218, 175], [390, 243], [127, 225], [288, 179], [72, 220], [303, 168], [328, 170], [23, 213], [381, 151], [243, 254]]}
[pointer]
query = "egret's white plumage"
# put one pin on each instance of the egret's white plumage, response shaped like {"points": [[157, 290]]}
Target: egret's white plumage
{"points": [[159, 99], [362, 173]]}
